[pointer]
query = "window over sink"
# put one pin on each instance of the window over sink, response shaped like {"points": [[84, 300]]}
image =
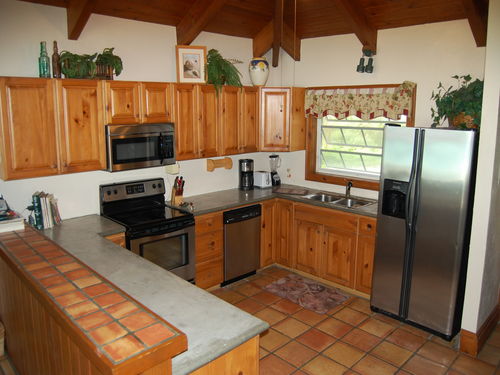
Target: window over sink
{"points": [[351, 147], [345, 130]]}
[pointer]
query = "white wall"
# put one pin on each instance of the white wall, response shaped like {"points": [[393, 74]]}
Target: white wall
{"points": [[484, 263]]}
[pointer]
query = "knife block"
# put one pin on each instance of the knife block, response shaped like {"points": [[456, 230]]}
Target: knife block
{"points": [[175, 200]]}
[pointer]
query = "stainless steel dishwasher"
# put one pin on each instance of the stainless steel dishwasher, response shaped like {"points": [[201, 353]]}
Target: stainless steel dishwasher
{"points": [[241, 242]]}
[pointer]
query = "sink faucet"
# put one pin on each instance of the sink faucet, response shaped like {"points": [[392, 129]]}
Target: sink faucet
{"points": [[348, 190]]}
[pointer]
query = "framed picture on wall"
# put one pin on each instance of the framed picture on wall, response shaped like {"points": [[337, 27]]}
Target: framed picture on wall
{"points": [[191, 61]]}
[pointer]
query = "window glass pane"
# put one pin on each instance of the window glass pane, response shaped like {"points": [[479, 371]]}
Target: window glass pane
{"points": [[351, 147]]}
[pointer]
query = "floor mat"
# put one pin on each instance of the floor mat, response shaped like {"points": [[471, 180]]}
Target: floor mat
{"points": [[307, 293]]}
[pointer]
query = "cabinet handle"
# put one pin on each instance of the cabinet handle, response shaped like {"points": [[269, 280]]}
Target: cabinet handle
{"points": [[369, 226]]}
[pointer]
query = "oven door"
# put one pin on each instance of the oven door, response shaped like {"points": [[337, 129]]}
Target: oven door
{"points": [[174, 251], [139, 146]]}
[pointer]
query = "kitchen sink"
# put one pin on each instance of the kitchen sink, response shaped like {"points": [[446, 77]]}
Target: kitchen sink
{"points": [[338, 200], [322, 197], [350, 202]]}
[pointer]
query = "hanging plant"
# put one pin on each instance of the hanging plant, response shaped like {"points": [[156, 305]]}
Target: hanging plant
{"points": [[78, 66], [221, 71]]}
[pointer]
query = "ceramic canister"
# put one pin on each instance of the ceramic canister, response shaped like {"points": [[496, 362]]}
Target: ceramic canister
{"points": [[259, 71]]}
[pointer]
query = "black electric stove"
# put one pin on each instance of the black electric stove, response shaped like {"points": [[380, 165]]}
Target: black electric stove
{"points": [[161, 234]]}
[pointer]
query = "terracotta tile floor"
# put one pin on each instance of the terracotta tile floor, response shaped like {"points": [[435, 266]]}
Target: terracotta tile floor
{"points": [[350, 339]]}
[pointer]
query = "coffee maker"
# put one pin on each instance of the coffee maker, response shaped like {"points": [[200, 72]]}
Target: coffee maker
{"points": [[275, 162], [246, 174]]}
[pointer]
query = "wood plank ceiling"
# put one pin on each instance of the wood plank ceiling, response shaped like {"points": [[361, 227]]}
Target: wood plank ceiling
{"points": [[280, 23]]}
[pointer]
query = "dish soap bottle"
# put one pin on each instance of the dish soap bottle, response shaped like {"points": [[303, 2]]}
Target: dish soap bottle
{"points": [[43, 62]]}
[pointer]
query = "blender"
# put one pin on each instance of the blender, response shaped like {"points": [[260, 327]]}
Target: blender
{"points": [[275, 162]]}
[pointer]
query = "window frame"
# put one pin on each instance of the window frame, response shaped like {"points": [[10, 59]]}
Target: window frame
{"points": [[311, 144]]}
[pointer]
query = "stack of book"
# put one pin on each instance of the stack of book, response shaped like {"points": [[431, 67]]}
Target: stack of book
{"points": [[45, 210], [10, 220]]}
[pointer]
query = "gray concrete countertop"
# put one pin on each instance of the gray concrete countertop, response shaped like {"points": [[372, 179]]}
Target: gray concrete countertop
{"points": [[227, 199], [212, 326]]}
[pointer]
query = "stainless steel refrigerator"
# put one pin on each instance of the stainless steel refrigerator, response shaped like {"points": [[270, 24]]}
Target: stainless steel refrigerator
{"points": [[423, 226]]}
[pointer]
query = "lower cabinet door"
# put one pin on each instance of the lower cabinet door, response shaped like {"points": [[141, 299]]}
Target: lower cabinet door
{"points": [[308, 246], [338, 263], [364, 263], [267, 234]]}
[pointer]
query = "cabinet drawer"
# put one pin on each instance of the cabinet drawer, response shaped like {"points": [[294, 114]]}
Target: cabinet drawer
{"points": [[209, 273], [208, 223], [209, 246], [367, 226]]}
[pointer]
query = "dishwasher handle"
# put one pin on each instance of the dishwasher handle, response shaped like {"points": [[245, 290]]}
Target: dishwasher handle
{"points": [[241, 214]]}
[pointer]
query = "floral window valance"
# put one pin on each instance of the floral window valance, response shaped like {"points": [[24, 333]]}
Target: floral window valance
{"points": [[366, 103]]}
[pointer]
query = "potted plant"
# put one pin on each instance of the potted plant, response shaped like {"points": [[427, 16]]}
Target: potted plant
{"points": [[107, 62], [78, 66], [221, 71], [461, 105]]}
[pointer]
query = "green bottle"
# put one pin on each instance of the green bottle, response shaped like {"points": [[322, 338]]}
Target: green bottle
{"points": [[43, 62]]}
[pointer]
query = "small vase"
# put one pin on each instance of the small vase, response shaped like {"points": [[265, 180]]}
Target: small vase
{"points": [[259, 71]]}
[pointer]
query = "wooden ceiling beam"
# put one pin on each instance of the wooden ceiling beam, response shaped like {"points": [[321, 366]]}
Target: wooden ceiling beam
{"points": [[263, 41], [477, 15], [291, 43], [277, 30], [196, 18], [359, 23], [77, 13]]}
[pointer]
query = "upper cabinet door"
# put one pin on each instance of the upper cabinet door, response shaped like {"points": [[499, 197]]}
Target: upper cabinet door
{"points": [[123, 102], [208, 126], [156, 102], [230, 104], [186, 121], [275, 119], [249, 120], [29, 128], [81, 125]]}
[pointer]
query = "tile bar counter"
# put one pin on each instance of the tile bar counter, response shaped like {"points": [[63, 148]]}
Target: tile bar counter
{"points": [[212, 327]]}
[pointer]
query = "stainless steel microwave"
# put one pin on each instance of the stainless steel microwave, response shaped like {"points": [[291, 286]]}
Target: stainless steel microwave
{"points": [[139, 146]]}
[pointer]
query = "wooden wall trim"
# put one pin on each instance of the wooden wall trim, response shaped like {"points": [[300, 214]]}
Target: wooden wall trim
{"points": [[471, 343]]}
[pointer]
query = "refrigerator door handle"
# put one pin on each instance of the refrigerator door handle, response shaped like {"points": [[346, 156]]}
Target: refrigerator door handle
{"points": [[416, 195], [409, 225]]}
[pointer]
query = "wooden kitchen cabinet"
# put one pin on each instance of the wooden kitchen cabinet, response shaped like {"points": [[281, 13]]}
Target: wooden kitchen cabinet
{"points": [[339, 256], [208, 129], [196, 121], [209, 250], [62, 132], [249, 120], [29, 128], [308, 245], [282, 121], [81, 125], [267, 235], [238, 120], [156, 102], [123, 102], [229, 120], [283, 221], [365, 254]]}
